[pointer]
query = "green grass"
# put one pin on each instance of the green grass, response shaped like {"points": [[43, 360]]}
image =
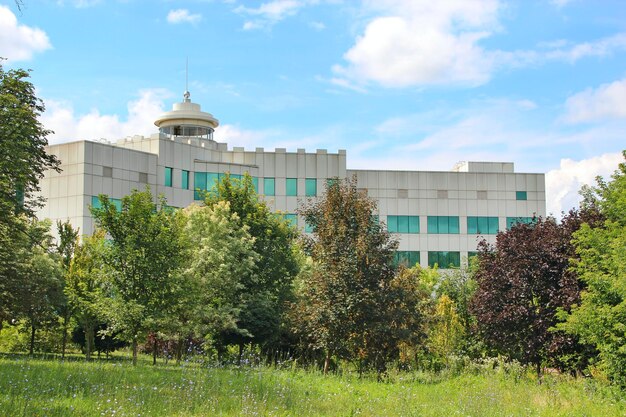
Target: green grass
{"points": [[32, 387]]}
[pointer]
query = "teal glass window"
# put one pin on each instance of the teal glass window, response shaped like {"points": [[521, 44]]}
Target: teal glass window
{"points": [[212, 179], [331, 181], [255, 182], [444, 259], [407, 258], [269, 186], [292, 219], [443, 224], [184, 184], [403, 224], [521, 195], [471, 254], [482, 225], [168, 176], [199, 181], [95, 203], [512, 221], [291, 185], [310, 187], [308, 228]]}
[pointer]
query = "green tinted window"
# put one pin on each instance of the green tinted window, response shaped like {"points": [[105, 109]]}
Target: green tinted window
{"points": [[95, 203], [407, 258], [308, 228], [291, 186], [443, 224], [255, 182], [444, 259], [310, 187], [403, 224], [482, 225], [292, 219], [199, 184], [168, 176], [512, 221], [184, 181], [521, 195], [269, 186]]}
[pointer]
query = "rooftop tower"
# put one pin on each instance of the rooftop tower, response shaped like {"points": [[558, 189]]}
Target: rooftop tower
{"points": [[187, 120]]}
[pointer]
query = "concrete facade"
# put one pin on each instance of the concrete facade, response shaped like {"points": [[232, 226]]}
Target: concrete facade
{"points": [[434, 213]]}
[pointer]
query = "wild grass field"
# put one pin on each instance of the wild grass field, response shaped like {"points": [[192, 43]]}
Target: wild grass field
{"points": [[40, 387]]}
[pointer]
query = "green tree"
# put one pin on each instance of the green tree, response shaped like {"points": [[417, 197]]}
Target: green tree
{"points": [[68, 239], [84, 286], [447, 331], [39, 292], [23, 158], [265, 292], [350, 301], [144, 258], [221, 263], [23, 161], [600, 316]]}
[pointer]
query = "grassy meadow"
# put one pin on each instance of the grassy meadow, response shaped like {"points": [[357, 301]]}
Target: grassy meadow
{"points": [[38, 387]]}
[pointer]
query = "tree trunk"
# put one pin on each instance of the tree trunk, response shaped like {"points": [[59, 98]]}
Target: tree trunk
{"points": [[179, 351], [327, 362], [89, 341], [64, 342], [538, 365], [154, 349], [240, 353], [134, 350], [32, 339]]}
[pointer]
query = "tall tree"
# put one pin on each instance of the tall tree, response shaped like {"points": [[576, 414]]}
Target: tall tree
{"points": [[68, 239], [348, 303], [265, 291], [144, 258], [600, 317], [221, 263], [523, 280], [23, 161], [85, 286]]}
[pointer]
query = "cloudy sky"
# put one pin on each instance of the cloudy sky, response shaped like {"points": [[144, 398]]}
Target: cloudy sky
{"points": [[399, 84]]}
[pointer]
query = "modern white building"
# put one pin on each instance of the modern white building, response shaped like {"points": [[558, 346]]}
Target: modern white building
{"points": [[439, 217]]}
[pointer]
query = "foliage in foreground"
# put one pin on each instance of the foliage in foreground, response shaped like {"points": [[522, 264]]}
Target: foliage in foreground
{"points": [[36, 387]]}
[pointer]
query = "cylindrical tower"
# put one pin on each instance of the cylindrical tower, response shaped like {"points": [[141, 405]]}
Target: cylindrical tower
{"points": [[187, 120]]}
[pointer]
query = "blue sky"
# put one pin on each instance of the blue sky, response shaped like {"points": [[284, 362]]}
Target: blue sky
{"points": [[399, 84]]}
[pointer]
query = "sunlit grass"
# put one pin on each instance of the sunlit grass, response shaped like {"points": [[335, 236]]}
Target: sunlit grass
{"points": [[35, 387]]}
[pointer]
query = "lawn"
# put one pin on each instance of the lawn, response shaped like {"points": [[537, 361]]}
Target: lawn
{"points": [[36, 387]]}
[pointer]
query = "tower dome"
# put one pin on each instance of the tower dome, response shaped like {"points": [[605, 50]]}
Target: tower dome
{"points": [[187, 120]]}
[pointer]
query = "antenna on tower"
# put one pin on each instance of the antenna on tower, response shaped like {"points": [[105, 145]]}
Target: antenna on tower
{"points": [[187, 93]]}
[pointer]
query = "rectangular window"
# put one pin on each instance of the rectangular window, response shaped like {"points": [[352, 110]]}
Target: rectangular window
{"points": [[168, 176], [521, 195], [292, 219], [444, 260], [199, 181], [308, 228], [212, 179], [407, 258], [310, 187], [269, 186], [443, 224], [291, 187], [331, 181], [95, 203], [403, 224], [184, 183], [255, 182], [512, 221], [482, 225]]}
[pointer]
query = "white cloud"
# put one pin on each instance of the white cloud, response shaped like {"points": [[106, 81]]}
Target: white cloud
{"points": [[80, 4], [563, 183], [68, 126], [19, 42], [605, 102], [269, 13], [423, 42], [183, 16], [317, 25], [599, 48]]}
